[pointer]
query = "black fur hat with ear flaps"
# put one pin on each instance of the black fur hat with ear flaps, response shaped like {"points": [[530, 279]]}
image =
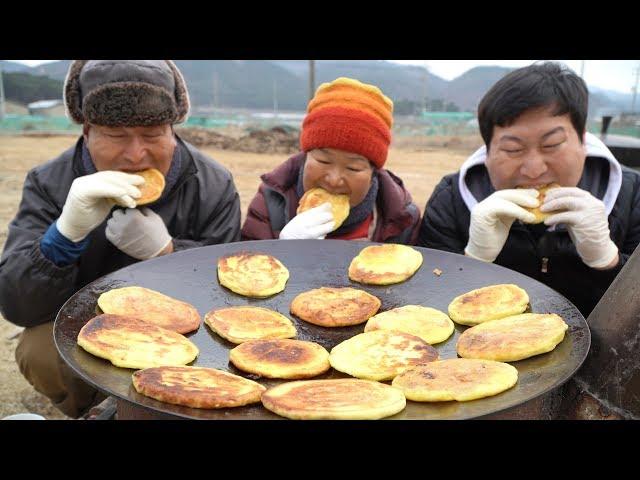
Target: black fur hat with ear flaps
{"points": [[125, 93]]}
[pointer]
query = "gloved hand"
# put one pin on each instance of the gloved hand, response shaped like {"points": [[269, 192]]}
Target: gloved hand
{"points": [[91, 198], [139, 233], [315, 223], [587, 223], [492, 218]]}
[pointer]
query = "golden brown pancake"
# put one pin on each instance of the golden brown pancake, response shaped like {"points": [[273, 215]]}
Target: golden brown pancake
{"points": [[317, 196], [241, 324], [488, 303], [342, 399], [431, 325], [282, 358], [381, 354], [131, 343], [513, 338], [151, 306], [152, 188], [459, 379], [196, 387], [252, 274], [541, 216], [385, 264], [335, 307]]}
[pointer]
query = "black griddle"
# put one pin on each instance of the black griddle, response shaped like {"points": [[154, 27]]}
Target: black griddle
{"points": [[191, 276]]}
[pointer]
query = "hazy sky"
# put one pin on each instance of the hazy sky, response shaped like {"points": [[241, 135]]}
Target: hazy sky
{"points": [[607, 74]]}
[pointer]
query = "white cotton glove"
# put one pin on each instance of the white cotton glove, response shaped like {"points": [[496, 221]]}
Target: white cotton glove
{"points": [[492, 218], [315, 223], [586, 220], [91, 198], [140, 234]]}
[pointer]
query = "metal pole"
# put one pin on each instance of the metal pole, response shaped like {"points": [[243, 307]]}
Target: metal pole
{"points": [[312, 78], [426, 80], [2, 111], [215, 90], [275, 99], [635, 90]]}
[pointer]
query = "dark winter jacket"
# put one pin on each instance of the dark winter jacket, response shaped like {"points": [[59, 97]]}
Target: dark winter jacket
{"points": [[546, 254], [276, 203], [202, 208]]}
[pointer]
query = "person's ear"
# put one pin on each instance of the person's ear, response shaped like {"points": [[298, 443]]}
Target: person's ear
{"points": [[85, 132]]}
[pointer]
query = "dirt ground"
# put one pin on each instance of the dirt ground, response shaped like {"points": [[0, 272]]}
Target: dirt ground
{"points": [[420, 162]]}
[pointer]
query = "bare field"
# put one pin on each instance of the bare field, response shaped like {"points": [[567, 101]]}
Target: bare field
{"points": [[420, 162]]}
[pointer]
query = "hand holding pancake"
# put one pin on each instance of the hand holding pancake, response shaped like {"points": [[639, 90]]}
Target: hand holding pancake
{"points": [[311, 224], [492, 218], [91, 198], [587, 222], [140, 233]]}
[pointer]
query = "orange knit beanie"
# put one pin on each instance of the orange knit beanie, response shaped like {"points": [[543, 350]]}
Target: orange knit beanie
{"points": [[349, 115]]}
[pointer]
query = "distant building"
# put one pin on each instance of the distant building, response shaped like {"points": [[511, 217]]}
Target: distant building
{"points": [[47, 108]]}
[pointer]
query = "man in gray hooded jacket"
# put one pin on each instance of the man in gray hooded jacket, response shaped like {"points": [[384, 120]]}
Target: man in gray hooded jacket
{"points": [[78, 220]]}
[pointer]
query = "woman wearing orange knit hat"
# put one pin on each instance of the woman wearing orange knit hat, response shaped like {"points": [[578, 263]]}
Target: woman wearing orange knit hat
{"points": [[344, 141]]}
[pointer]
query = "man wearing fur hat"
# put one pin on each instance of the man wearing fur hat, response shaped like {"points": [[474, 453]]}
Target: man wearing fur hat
{"points": [[67, 232], [533, 125]]}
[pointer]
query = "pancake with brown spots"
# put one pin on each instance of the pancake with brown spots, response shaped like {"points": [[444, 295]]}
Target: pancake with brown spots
{"points": [[241, 324], [152, 187], [151, 306], [335, 307], [541, 216], [132, 343], [341, 399], [252, 274], [385, 264], [317, 196], [488, 303], [197, 387], [513, 338], [281, 358], [459, 379], [380, 355], [431, 325]]}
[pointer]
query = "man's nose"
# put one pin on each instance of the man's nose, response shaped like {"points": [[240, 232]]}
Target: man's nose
{"points": [[136, 150], [534, 165]]}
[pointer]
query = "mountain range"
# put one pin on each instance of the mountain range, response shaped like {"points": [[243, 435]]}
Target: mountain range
{"points": [[284, 84]]}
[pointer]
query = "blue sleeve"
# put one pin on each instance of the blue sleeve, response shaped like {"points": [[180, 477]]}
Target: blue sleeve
{"points": [[58, 249]]}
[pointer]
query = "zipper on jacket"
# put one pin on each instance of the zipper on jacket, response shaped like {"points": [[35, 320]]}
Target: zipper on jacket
{"points": [[545, 263]]}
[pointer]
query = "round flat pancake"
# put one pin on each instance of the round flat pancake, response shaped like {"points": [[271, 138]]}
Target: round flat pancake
{"points": [[131, 343], [385, 264], [541, 216], [241, 324], [151, 306], [281, 358], [342, 399], [335, 307], [252, 274], [196, 387], [488, 303], [431, 325], [459, 379], [317, 196], [381, 354], [513, 338], [152, 187]]}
